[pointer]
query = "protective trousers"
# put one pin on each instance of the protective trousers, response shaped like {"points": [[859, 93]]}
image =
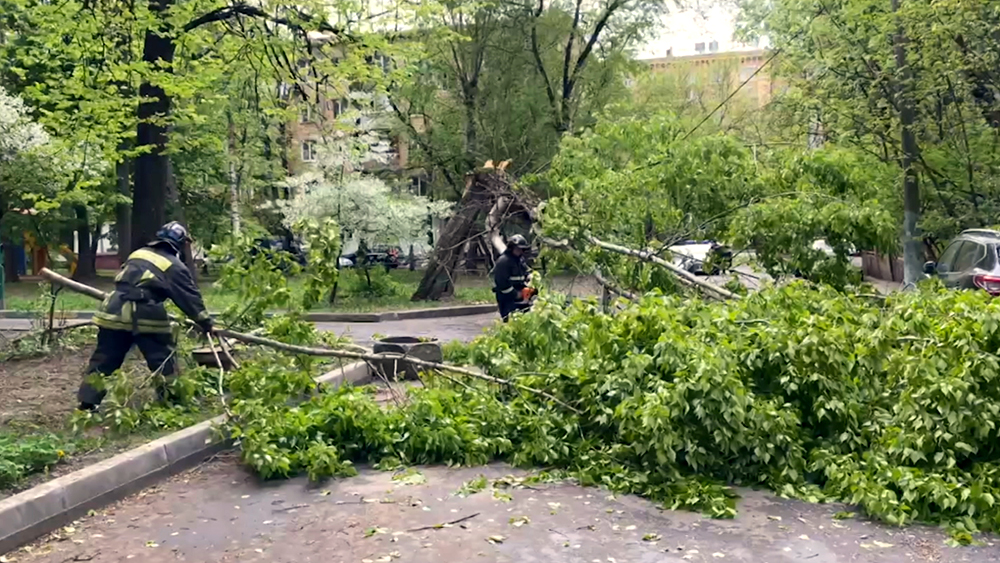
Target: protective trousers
{"points": [[508, 305], [113, 346]]}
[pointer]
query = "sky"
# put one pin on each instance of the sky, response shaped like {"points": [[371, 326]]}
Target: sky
{"points": [[704, 21]]}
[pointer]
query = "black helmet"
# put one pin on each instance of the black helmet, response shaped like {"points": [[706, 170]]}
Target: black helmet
{"points": [[174, 234], [518, 241]]}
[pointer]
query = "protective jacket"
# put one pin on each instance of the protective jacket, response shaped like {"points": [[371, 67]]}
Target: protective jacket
{"points": [[149, 277], [510, 276]]}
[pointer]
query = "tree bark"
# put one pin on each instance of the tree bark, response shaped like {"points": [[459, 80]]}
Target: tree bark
{"points": [[176, 209], [912, 255], [10, 262], [152, 169], [438, 280], [470, 95], [86, 257]]}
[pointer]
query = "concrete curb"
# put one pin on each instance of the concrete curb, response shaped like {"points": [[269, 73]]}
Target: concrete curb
{"points": [[43, 509], [433, 313]]}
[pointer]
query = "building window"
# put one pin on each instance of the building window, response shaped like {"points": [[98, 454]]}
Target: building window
{"points": [[670, 52], [699, 48], [337, 107], [383, 62], [305, 113], [308, 151], [713, 47], [418, 185]]}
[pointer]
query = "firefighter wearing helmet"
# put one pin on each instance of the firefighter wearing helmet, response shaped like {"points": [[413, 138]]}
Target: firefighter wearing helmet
{"points": [[133, 314], [510, 278]]}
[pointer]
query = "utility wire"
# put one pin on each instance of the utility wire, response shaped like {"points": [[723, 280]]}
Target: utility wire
{"points": [[770, 59], [731, 94]]}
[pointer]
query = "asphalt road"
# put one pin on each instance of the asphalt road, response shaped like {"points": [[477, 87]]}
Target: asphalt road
{"points": [[219, 512], [444, 329]]}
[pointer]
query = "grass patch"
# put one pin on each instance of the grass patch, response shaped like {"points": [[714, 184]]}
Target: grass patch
{"points": [[23, 455]]}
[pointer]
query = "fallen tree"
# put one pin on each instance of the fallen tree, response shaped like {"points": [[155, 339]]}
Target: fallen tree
{"points": [[489, 199], [892, 405]]}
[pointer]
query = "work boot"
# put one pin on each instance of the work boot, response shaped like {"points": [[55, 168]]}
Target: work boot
{"points": [[87, 407]]}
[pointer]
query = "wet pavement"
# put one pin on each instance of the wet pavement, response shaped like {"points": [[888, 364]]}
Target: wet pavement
{"points": [[444, 329], [219, 512]]}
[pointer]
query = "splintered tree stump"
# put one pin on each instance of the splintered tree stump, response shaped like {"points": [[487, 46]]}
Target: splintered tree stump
{"points": [[483, 190]]}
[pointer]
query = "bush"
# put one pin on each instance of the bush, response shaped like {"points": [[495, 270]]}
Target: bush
{"points": [[376, 282]]}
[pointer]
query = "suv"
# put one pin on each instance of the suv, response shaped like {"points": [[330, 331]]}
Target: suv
{"points": [[970, 262]]}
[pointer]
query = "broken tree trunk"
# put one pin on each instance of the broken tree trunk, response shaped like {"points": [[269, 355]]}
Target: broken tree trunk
{"points": [[438, 280], [483, 190]]}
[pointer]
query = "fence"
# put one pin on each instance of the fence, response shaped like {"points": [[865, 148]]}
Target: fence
{"points": [[875, 265]]}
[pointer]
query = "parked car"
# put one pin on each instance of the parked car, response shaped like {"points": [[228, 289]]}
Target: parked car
{"points": [[970, 262], [382, 255], [272, 245], [692, 255]]}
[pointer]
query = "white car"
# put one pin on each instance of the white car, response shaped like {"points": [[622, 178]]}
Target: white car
{"points": [[692, 255]]}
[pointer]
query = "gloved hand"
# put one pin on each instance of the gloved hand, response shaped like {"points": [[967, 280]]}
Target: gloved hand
{"points": [[206, 325]]}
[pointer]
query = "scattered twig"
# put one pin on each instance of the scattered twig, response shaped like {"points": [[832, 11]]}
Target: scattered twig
{"points": [[445, 525], [229, 356], [289, 508], [376, 368], [82, 557], [613, 288], [222, 374]]}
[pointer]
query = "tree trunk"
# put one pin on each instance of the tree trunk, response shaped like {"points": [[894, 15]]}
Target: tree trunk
{"points": [[912, 259], [176, 208], [152, 168], [234, 188], [438, 280], [470, 128], [86, 258], [11, 274], [123, 211]]}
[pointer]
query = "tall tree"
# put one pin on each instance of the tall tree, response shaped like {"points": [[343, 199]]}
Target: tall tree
{"points": [[479, 95], [610, 28], [840, 59]]}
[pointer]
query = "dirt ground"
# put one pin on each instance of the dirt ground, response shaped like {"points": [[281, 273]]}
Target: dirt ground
{"points": [[219, 512], [41, 391]]}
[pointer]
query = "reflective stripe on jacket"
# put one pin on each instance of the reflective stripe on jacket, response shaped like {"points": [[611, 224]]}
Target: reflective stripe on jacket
{"points": [[510, 275], [149, 277]]}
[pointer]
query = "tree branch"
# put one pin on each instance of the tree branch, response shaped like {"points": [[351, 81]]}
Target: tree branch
{"points": [[539, 64], [241, 9]]}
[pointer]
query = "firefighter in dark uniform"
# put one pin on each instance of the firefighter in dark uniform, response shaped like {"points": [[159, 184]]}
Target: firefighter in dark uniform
{"points": [[510, 278], [134, 313]]}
